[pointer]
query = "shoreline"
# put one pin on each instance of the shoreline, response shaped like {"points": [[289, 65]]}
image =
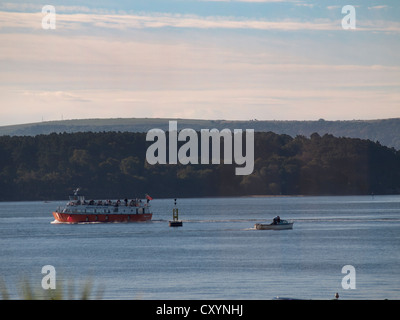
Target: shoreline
{"points": [[225, 197]]}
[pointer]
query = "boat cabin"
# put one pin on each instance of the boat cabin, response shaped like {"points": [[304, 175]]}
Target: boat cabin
{"points": [[77, 198]]}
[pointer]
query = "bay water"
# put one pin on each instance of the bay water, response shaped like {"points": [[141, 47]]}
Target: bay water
{"points": [[216, 254]]}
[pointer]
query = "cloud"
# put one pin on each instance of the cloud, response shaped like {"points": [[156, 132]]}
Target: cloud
{"points": [[378, 7], [95, 21], [252, 1], [333, 7], [302, 103], [135, 21], [379, 26], [90, 67], [308, 5], [55, 96]]}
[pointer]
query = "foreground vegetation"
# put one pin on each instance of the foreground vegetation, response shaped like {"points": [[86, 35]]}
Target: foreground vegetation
{"points": [[113, 165], [63, 291]]}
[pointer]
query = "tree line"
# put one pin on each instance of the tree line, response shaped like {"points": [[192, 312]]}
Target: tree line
{"points": [[113, 165]]}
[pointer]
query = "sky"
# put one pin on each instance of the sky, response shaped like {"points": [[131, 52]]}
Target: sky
{"points": [[199, 59]]}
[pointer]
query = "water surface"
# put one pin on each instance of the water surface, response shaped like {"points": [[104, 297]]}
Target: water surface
{"points": [[217, 254]]}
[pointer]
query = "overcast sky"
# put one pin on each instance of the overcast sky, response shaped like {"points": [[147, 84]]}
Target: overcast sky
{"points": [[239, 60]]}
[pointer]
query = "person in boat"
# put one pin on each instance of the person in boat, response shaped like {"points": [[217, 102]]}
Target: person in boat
{"points": [[276, 220]]}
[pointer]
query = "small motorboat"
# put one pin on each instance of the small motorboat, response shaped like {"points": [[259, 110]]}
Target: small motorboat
{"points": [[281, 225]]}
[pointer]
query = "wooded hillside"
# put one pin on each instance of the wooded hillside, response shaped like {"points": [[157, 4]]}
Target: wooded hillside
{"points": [[113, 165]]}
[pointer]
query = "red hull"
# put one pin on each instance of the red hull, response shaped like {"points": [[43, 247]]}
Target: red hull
{"points": [[77, 218]]}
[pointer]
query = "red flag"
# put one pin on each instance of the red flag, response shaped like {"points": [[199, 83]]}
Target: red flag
{"points": [[148, 197]]}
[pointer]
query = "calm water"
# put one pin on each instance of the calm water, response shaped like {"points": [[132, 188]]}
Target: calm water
{"points": [[217, 254]]}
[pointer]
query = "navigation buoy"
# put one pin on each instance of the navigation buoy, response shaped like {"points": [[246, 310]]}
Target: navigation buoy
{"points": [[175, 221]]}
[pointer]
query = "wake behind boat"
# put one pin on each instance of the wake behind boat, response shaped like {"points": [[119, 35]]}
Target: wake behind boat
{"points": [[277, 224], [79, 210]]}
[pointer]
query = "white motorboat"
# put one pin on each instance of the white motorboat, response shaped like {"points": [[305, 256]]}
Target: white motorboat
{"points": [[281, 225]]}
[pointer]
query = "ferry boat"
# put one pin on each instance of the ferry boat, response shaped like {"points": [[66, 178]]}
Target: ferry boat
{"points": [[79, 210]]}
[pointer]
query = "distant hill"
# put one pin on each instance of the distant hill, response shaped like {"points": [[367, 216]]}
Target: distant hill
{"points": [[386, 131]]}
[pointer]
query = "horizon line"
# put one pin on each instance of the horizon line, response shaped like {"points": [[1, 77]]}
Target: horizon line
{"points": [[198, 119]]}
